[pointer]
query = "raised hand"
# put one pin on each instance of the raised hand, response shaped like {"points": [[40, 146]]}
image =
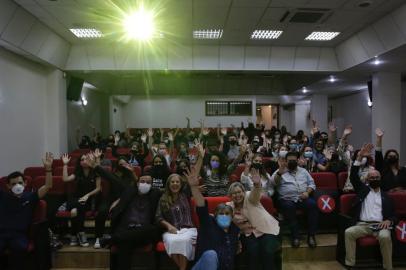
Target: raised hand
{"points": [[248, 161], [205, 131], [365, 150], [347, 131], [97, 153], [170, 136], [256, 177], [242, 133], [48, 160], [379, 132], [90, 160], [223, 131], [192, 177], [65, 159], [144, 138], [116, 138], [150, 132], [263, 136], [332, 127]]}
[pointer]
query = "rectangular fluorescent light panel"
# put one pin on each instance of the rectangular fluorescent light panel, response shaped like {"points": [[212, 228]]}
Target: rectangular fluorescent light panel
{"points": [[208, 34], [322, 36], [86, 32], [266, 34]]}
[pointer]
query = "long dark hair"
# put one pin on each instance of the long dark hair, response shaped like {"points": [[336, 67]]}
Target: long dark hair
{"points": [[262, 171], [386, 164], [79, 172], [165, 172]]}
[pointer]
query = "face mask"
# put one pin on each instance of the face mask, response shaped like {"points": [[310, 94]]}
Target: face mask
{"points": [[183, 151], [283, 154], [214, 164], [392, 160], [364, 161], [223, 221], [274, 154], [144, 188], [293, 146], [308, 154], [162, 152], [17, 189], [158, 166], [375, 184], [276, 140], [257, 166], [277, 136], [134, 152], [292, 165], [233, 143]]}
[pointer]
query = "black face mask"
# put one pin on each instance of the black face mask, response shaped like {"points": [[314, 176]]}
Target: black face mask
{"points": [[134, 152], [292, 165], [257, 166], [158, 167], [375, 184], [392, 160], [233, 143]]}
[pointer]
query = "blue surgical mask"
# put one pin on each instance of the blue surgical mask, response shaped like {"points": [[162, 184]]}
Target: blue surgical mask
{"points": [[293, 146], [223, 221], [308, 154], [214, 164]]}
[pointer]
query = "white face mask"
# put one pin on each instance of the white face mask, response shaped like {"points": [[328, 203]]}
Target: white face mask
{"points": [[144, 188], [17, 189], [283, 154], [364, 161]]}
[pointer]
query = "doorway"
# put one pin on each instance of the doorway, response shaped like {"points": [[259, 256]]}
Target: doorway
{"points": [[268, 114]]}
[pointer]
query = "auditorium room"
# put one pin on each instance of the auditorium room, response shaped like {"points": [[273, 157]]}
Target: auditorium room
{"points": [[202, 134]]}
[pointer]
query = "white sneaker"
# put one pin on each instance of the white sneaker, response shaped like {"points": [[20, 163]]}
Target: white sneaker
{"points": [[97, 244], [82, 239], [73, 241]]}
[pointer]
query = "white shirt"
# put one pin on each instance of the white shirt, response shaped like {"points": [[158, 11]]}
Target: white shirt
{"points": [[372, 207]]}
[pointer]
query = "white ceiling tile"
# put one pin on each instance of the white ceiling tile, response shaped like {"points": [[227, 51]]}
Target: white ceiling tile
{"points": [[244, 18], [331, 4], [274, 14], [251, 3], [18, 27], [7, 9], [206, 17], [289, 3], [36, 38]]}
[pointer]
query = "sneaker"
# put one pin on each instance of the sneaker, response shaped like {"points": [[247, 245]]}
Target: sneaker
{"points": [[97, 244], [55, 242], [82, 239], [73, 241]]}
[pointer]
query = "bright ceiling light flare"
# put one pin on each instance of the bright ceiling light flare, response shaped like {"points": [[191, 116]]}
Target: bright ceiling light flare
{"points": [[139, 25], [304, 90], [322, 36], [86, 32], [376, 61], [332, 79], [266, 34], [208, 34]]}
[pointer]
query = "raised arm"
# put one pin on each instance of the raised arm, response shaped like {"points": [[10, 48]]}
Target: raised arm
{"points": [[187, 125], [47, 161], [283, 168], [378, 150], [234, 164], [193, 180], [332, 134], [150, 140], [354, 177], [65, 177], [255, 194], [171, 138], [94, 133], [341, 146]]}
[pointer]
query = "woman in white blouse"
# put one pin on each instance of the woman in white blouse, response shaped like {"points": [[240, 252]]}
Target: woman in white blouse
{"points": [[246, 177]]}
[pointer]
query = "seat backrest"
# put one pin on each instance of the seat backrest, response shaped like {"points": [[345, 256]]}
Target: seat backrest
{"points": [[342, 178], [147, 169], [34, 172], [3, 183], [40, 212], [325, 180], [58, 185], [58, 171], [137, 170], [399, 203], [212, 203], [239, 170], [123, 151], [346, 202], [267, 203]]}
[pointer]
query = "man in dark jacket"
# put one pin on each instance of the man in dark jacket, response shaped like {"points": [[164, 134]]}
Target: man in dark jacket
{"points": [[133, 218], [372, 211]]}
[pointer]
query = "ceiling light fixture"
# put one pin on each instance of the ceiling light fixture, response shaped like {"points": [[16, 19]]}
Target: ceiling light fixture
{"points": [[208, 34], [332, 79], [322, 36], [84, 101], [266, 34], [304, 90], [369, 103], [86, 32], [139, 25], [377, 61]]}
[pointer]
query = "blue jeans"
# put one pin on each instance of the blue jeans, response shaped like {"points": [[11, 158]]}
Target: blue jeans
{"points": [[208, 261]]}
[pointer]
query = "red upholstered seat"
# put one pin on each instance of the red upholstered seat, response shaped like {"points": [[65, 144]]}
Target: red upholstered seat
{"points": [[160, 247], [123, 151], [342, 178], [346, 201], [58, 185], [234, 178], [367, 241], [239, 170], [399, 202], [147, 169], [325, 180], [58, 171], [34, 172], [267, 203]]}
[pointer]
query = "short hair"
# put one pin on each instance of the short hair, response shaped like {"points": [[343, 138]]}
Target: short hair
{"points": [[14, 175], [223, 206], [292, 154]]}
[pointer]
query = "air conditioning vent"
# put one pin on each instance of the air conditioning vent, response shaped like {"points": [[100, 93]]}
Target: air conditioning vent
{"points": [[306, 17]]}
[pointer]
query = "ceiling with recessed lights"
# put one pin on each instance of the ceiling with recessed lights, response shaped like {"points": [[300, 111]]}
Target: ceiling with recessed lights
{"points": [[236, 19]]}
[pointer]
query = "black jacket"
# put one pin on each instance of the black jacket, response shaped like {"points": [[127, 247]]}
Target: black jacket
{"points": [[126, 197], [362, 191]]}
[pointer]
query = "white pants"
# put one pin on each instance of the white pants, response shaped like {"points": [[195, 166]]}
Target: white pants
{"points": [[182, 243]]}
